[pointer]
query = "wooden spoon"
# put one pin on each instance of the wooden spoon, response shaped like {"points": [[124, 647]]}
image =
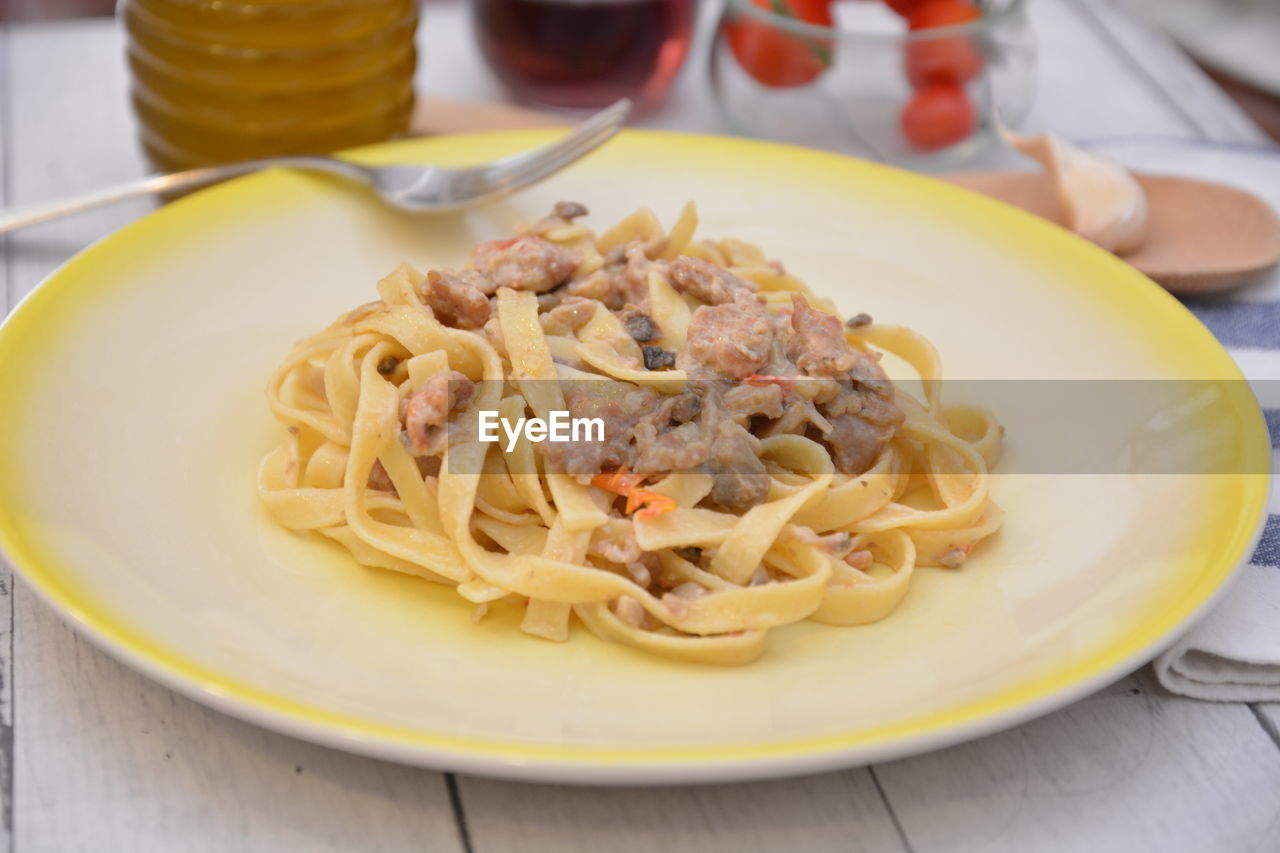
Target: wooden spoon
{"points": [[1202, 237]]}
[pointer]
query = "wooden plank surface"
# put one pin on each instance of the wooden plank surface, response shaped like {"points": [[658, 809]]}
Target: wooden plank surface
{"points": [[1129, 768], [106, 760], [832, 811]]}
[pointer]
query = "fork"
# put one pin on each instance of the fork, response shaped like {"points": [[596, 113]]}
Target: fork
{"points": [[405, 186]]}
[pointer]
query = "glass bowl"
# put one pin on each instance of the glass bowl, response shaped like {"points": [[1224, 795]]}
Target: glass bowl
{"points": [[846, 87]]}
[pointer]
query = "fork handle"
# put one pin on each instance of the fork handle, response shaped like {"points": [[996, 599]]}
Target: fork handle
{"points": [[19, 217]]}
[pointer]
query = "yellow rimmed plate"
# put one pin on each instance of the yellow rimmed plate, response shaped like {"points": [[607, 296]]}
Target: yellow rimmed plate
{"points": [[134, 420]]}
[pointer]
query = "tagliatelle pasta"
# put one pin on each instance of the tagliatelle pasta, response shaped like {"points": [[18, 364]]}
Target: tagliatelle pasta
{"points": [[755, 467]]}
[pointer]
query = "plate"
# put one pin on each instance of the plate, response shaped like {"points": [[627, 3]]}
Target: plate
{"points": [[134, 377]]}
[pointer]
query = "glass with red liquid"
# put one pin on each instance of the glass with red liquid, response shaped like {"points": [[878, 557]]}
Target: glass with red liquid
{"points": [[585, 53]]}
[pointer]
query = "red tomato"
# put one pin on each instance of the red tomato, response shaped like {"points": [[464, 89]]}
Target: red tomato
{"points": [[903, 7], [942, 13], [945, 60], [773, 57], [813, 11], [938, 116], [954, 59]]}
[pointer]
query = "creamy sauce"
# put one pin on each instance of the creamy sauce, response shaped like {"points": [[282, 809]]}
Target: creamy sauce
{"points": [[1099, 199]]}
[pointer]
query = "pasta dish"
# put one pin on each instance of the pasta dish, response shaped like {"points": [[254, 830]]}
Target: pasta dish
{"points": [[671, 439]]}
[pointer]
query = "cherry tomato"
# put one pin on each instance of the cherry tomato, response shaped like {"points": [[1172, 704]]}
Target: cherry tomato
{"points": [[942, 13], [773, 57], [903, 7], [945, 60], [938, 116], [813, 11], [954, 59]]}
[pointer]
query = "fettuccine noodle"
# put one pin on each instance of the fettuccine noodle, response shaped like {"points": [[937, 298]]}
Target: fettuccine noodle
{"points": [[758, 467]]}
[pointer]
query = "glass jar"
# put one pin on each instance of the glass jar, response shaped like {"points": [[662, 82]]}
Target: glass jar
{"points": [[222, 80], [585, 54], [848, 88]]}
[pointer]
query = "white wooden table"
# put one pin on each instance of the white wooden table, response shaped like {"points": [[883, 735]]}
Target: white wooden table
{"points": [[96, 757]]}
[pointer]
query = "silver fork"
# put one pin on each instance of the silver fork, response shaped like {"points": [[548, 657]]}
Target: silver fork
{"points": [[408, 187]]}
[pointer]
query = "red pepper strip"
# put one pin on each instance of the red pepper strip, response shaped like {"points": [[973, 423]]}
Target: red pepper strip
{"points": [[619, 481], [759, 380], [654, 504]]}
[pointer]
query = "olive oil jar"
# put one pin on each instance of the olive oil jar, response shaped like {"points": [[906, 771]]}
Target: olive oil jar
{"points": [[220, 80]]}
